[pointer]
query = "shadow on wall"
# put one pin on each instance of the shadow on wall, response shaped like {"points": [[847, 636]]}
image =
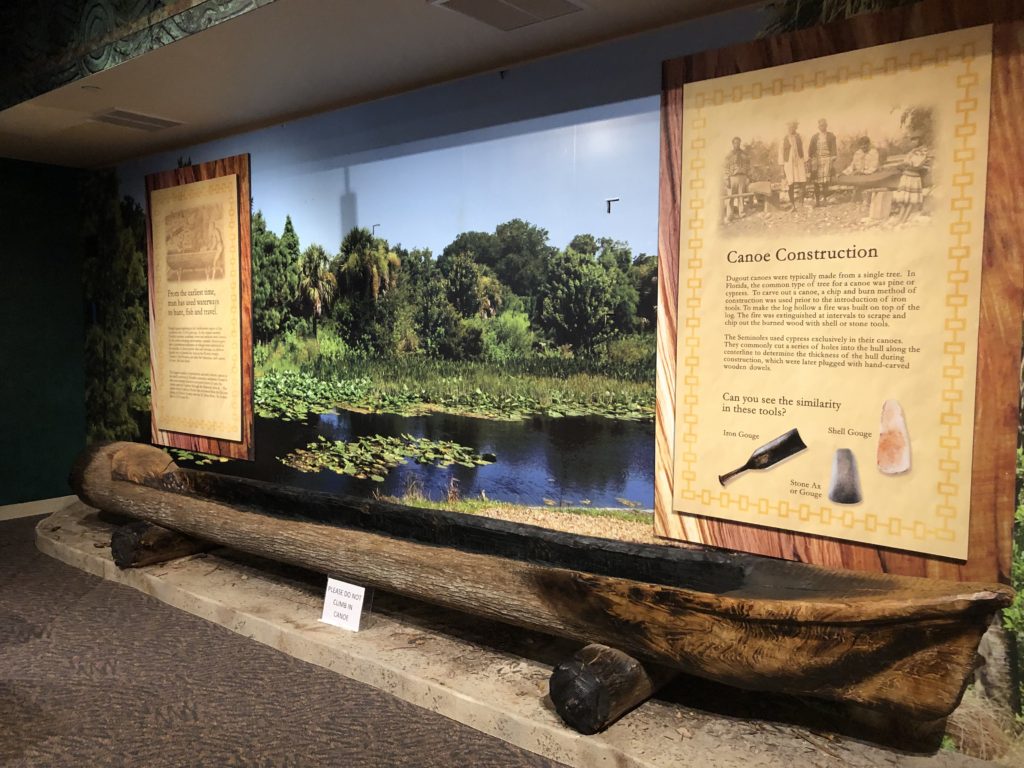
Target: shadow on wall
{"points": [[349, 206]]}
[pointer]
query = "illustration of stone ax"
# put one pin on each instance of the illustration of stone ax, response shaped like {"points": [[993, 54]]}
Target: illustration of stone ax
{"points": [[845, 485], [769, 454]]}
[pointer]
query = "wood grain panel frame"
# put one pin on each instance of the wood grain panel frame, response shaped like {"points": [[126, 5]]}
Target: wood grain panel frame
{"points": [[1002, 291], [238, 166]]}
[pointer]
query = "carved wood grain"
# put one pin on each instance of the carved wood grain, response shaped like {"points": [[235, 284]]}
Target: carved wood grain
{"points": [[239, 166], [1002, 292], [902, 645]]}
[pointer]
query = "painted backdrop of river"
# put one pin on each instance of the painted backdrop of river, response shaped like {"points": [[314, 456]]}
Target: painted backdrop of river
{"points": [[571, 461]]}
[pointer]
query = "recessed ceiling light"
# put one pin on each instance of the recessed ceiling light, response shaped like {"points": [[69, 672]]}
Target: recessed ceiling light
{"points": [[508, 15]]}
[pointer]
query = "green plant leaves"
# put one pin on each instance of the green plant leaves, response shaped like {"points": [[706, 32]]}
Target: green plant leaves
{"points": [[294, 396], [197, 458], [372, 457]]}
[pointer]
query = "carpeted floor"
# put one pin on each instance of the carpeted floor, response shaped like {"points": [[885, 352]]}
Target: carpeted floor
{"points": [[95, 674]]}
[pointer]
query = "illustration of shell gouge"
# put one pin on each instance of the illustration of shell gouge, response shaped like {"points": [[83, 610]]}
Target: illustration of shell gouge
{"points": [[845, 485], [769, 454], [893, 440]]}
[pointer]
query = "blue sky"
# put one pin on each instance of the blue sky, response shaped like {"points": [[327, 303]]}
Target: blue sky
{"points": [[554, 171]]}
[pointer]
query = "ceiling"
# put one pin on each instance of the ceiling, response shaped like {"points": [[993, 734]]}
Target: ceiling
{"points": [[293, 58]]}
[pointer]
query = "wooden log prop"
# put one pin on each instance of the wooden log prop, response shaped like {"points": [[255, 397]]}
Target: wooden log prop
{"points": [[899, 644], [598, 685], [139, 543]]}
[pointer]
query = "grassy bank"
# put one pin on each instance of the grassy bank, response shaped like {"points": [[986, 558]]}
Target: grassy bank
{"points": [[475, 506], [297, 376]]}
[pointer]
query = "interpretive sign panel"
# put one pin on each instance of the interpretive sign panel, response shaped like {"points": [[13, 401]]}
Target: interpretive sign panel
{"points": [[199, 310], [819, 314], [829, 243]]}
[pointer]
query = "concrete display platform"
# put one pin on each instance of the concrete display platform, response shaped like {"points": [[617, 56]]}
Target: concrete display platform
{"points": [[487, 675]]}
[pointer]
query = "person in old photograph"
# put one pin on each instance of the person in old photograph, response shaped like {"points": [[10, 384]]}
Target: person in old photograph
{"points": [[793, 158], [737, 181], [865, 160], [910, 192], [823, 151]]}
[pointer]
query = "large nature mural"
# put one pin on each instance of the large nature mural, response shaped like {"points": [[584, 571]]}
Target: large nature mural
{"points": [[492, 369]]}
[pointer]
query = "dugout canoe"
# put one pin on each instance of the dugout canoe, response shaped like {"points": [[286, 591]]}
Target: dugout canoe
{"points": [[898, 644]]}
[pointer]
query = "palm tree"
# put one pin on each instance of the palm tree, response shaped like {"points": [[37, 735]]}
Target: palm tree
{"points": [[316, 281], [366, 263]]}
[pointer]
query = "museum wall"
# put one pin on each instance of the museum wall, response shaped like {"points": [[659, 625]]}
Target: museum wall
{"points": [[42, 422], [487, 250]]}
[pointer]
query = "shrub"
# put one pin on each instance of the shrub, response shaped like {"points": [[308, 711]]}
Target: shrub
{"points": [[506, 338], [465, 342]]}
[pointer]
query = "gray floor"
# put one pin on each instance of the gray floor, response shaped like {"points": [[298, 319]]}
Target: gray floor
{"points": [[95, 674]]}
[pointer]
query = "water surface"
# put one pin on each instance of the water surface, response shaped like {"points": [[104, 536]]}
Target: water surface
{"points": [[569, 461]]}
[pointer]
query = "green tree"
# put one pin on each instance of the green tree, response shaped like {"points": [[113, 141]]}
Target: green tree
{"points": [[492, 295], [644, 274], [291, 253], [465, 341], [115, 291], [625, 299], [576, 301], [521, 256], [369, 270], [437, 321], [585, 244], [617, 258], [482, 247], [316, 282], [367, 265], [417, 266], [275, 279], [462, 279], [614, 254]]}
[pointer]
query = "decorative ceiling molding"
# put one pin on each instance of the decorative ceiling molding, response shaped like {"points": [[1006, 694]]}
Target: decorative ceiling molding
{"points": [[65, 40]]}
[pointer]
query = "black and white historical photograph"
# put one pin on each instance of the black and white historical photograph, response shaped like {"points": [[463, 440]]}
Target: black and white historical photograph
{"points": [[195, 244], [869, 167]]}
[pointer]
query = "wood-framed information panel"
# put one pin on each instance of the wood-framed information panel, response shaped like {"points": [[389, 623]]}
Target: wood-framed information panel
{"points": [[200, 307], [840, 293]]}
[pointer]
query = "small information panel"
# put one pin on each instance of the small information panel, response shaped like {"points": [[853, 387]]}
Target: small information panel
{"points": [[197, 361], [343, 605], [200, 307]]}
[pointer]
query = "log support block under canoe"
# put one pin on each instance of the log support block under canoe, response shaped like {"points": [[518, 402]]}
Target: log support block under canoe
{"points": [[597, 685], [140, 543]]}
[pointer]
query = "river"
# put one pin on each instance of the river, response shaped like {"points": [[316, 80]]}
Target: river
{"points": [[572, 461]]}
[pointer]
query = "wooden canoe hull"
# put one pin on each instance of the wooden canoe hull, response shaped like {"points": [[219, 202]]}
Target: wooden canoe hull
{"points": [[898, 644]]}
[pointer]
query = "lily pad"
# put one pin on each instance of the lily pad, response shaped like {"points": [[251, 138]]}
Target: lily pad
{"points": [[195, 457], [374, 456]]}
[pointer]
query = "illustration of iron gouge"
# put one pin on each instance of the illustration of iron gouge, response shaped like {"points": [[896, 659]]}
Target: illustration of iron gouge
{"points": [[893, 440], [769, 454], [845, 485]]}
